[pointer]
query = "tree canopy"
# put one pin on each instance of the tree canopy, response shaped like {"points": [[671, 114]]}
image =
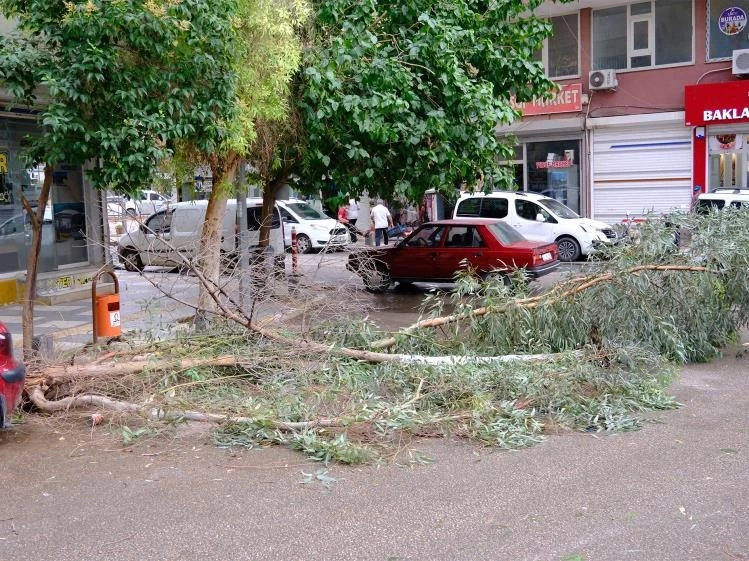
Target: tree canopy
{"points": [[402, 96], [120, 81]]}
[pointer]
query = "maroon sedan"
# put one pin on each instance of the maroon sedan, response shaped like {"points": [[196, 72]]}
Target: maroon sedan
{"points": [[437, 250], [12, 375]]}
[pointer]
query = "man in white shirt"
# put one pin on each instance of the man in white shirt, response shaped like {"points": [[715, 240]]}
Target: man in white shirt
{"points": [[380, 220]]}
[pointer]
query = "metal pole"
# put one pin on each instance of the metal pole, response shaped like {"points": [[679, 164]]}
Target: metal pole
{"points": [[242, 234], [294, 250]]}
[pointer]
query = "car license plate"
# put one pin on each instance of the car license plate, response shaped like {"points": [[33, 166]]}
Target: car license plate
{"points": [[546, 256]]}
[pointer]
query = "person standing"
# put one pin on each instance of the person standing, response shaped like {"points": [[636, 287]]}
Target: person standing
{"points": [[380, 220], [353, 211], [344, 217]]}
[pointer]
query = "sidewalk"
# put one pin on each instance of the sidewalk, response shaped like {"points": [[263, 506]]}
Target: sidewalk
{"points": [[145, 308]]}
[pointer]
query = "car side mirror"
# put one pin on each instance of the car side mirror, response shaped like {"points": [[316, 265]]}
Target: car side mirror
{"points": [[540, 218]]}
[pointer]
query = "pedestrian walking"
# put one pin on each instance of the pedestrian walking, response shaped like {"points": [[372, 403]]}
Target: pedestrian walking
{"points": [[380, 220]]}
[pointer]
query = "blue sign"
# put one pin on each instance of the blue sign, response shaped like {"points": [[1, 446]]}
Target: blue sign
{"points": [[732, 21]]}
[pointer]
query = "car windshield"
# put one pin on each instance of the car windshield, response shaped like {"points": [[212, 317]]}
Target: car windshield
{"points": [[305, 211], [558, 208], [506, 234]]}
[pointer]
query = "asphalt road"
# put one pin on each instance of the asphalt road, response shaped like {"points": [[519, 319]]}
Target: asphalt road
{"points": [[675, 490]]}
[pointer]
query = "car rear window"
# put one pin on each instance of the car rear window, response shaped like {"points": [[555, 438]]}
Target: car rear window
{"points": [[505, 233], [469, 207], [704, 206], [494, 207]]}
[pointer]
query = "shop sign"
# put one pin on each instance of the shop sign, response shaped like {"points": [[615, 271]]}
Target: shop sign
{"points": [[716, 104], [732, 21], [569, 99]]}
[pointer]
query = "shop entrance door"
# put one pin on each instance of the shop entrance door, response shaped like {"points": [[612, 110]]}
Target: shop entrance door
{"points": [[728, 164]]}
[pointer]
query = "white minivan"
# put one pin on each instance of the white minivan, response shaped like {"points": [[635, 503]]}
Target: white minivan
{"points": [[168, 235], [539, 218], [314, 230]]}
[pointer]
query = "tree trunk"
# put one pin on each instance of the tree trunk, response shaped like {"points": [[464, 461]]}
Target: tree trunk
{"points": [[270, 192], [32, 264], [223, 170]]}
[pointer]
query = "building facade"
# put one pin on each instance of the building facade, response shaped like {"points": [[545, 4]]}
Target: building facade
{"points": [[622, 135]]}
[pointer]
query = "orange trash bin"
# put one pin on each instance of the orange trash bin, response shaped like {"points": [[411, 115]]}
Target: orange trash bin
{"points": [[108, 316], [106, 308]]}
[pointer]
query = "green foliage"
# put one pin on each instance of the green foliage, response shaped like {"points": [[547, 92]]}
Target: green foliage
{"points": [[402, 96], [643, 298], [121, 81]]}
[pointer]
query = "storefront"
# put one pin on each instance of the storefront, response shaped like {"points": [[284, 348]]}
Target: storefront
{"points": [[548, 153], [640, 164], [719, 117], [71, 226]]}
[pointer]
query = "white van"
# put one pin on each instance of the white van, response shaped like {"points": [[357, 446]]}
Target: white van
{"points": [[174, 232], [539, 218], [314, 230]]}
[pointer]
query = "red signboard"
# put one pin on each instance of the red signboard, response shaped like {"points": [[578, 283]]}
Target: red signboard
{"points": [[568, 100], [716, 104]]}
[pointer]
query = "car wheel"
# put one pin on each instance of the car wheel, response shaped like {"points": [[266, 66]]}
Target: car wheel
{"points": [[569, 249], [497, 276], [132, 261], [303, 244], [376, 279]]}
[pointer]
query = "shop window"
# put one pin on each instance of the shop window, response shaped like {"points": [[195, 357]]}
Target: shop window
{"points": [[642, 35], [554, 170], [727, 27], [64, 219], [560, 52]]}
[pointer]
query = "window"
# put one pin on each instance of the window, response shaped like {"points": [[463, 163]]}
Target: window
{"points": [[642, 35], [529, 210], [727, 27], [160, 223], [560, 52], [255, 215], [494, 207], [469, 207], [428, 236]]}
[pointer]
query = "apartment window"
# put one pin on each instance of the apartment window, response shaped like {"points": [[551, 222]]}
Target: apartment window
{"points": [[560, 52], [642, 35], [727, 27]]}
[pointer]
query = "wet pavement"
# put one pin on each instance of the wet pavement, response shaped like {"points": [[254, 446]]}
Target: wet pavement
{"points": [[673, 491]]}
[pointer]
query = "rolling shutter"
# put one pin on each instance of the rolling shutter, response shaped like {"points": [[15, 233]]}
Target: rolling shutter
{"points": [[640, 168]]}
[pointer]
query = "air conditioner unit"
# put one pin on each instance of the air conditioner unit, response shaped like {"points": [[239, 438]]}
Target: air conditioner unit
{"points": [[740, 65], [602, 79]]}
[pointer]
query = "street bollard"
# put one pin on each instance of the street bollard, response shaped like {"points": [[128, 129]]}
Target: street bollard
{"points": [[294, 251]]}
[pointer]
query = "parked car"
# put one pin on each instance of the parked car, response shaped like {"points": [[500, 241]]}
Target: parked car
{"points": [[12, 376], [540, 218], [722, 198], [314, 230], [146, 202], [435, 251], [168, 235]]}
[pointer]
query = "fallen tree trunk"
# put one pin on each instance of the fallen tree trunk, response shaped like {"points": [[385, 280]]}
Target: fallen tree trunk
{"points": [[60, 374]]}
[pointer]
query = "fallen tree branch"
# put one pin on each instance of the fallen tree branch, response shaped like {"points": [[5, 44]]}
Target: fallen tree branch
{"points": [[158, 414], [583, 283], [57, 373]]}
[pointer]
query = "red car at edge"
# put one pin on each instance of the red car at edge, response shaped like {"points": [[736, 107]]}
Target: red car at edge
{"points": [[437, 250], [12, 376]]}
